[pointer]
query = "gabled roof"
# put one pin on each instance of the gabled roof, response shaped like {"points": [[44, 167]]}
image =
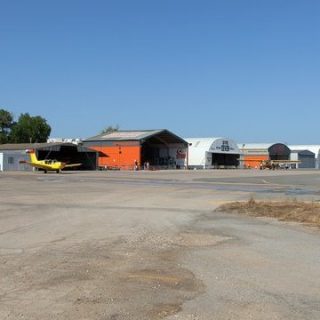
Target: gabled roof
{"points": [[303, 152], [124, 135], [313, 148], [24, 146], [137, 135]]}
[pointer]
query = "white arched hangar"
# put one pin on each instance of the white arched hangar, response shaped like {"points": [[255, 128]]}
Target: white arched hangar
{"points": [[212, 153]]}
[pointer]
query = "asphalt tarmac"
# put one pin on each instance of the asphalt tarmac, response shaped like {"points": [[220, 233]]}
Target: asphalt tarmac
{"points": [[149, 245]]}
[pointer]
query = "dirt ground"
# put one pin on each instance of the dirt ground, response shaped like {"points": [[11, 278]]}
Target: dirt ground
{"points": [[150, 245], [306, 212]]}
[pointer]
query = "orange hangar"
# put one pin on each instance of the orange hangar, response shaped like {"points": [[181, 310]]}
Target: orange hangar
{"points": [[254, 153], [139, 149]]}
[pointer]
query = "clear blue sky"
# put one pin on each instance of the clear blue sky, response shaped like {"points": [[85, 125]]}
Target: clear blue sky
{"points": [[248, 70]]}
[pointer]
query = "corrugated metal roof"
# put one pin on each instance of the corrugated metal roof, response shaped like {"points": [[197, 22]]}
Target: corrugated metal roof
{"points": [[258, 146], [43, 146], [197, 150], [137, 135], [125, 135], [202, 143], [24, 146]]}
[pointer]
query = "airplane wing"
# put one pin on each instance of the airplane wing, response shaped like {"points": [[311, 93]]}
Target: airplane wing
{"points": [[72, 165], [27, 162], [286, 161]]}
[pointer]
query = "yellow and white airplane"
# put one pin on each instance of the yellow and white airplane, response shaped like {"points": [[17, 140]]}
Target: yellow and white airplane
{"points": [[278, 164], [47, 165]]}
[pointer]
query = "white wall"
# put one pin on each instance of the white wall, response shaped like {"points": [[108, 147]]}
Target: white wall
{"points": [[1, 161], [294, 156]]}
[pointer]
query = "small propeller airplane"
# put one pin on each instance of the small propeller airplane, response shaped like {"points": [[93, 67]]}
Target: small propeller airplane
{"points": [[278, 164], [47, 165]]}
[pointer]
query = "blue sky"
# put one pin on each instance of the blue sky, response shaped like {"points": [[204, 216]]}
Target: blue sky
{"points": [[247, 70]]}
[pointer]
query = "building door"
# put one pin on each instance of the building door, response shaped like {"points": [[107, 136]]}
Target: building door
{"points": [[223, 160]]}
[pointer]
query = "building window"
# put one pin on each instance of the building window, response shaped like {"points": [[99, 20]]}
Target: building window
{"points": [[10, 160]]}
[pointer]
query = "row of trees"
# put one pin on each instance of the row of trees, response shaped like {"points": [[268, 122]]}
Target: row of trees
{"points": [[27, 129], [110, 129]]}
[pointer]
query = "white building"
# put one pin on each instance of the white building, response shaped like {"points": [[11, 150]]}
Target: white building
{"points": [[64, 140], [209, 153]]}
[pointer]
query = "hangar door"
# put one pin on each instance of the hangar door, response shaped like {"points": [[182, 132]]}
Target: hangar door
{"points": [[307, 159], [70, 153], [162, 150], [224, 154], [220, 160]]}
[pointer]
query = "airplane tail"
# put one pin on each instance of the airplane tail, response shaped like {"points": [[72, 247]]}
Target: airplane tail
{"points": [[33, 157]]}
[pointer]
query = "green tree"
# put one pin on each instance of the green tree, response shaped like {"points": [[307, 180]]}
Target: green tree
{"points": [[30, 129], [6, 123], [110, 129]]}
